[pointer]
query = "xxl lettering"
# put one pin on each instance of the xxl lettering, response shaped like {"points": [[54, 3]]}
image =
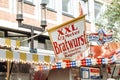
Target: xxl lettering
{"points": [[60, 32], [74, 28], [67, 29]]}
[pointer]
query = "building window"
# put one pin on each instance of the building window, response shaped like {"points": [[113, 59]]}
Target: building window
{"points": [[48, 45], [1, 34], [31, 1], [18, 36], [98, 7], [67, 6], [50, 4]]}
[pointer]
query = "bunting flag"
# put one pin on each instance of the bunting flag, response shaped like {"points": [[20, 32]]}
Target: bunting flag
{"points": [[54, 67], [103, 61], [88, 62], [73, 63], [78, 63], [68, 64], [85, 62], [99, 60], [7, 55], [63, 65], [58, 65]]}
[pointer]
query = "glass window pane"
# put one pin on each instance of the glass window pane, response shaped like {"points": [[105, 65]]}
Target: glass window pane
{"points": [[98, 7], [67, 6], [29, 0], [50, 3], [1, 34]]}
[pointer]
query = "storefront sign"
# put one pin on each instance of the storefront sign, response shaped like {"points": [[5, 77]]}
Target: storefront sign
{"points": [[69, 39], [94, 73], [85, 73], [90, 73], [101, 37]]}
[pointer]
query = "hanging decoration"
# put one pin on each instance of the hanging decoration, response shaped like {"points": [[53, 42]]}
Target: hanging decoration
{"points": [[83, 62], [100, 37]]}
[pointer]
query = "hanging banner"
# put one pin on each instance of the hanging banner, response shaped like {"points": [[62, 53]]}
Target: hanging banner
{"points": [[69, 39], [100, 37]]}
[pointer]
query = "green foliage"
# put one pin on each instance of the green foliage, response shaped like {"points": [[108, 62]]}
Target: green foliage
{"points": [[110, 19]]}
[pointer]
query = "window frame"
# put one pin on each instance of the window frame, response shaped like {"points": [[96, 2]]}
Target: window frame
{"points": [[51, 4], [71, 13], [100, 5], [31, 2]]}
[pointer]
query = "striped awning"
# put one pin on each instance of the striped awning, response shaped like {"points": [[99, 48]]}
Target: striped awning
{"points": [[6, 42], [16, 56], [8, 52]]}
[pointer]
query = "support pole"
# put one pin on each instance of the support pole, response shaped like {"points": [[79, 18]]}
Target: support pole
{"points": [[8, 70], [33, 36], [113, 71], [32, 41]]}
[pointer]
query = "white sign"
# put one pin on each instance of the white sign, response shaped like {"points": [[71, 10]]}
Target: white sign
{"points": [[69, 39], [94, 73], [88, 73]]}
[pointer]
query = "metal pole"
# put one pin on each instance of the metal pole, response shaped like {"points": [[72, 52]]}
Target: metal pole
{"points": [[113, 71], [33, 36], [32, 40], [8, 70]]}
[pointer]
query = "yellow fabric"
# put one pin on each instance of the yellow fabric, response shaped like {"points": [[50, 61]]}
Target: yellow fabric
{"points": [[35, 57], [23, 56], [17, 43], [9, 55], [7, 42], [47, 59]]}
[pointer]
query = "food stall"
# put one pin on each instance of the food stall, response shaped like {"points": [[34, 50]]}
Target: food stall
{"points": [[20, 64]]}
